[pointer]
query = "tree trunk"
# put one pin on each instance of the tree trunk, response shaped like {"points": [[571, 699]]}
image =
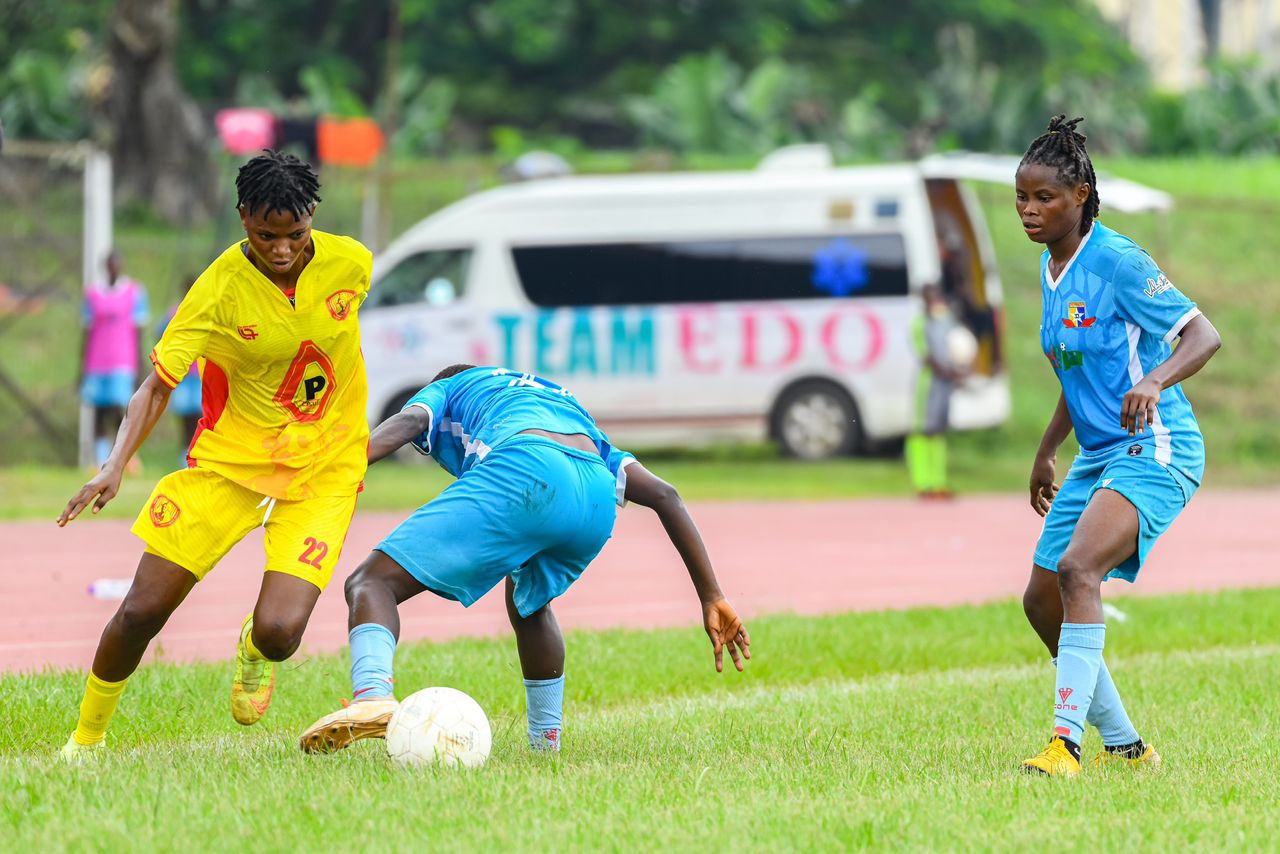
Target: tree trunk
{"points": [[159, 140]]}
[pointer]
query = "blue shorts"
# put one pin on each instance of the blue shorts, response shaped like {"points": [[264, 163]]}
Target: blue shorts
{"points": [[532, 509], [1158, 492], [113, 388], [186, 399]]}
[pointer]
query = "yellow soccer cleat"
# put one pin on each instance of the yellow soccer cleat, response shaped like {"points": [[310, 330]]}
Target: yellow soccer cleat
{"points": [[336, 730], [1148, 759], [75, 753], [254, 682], [1054, 761]]}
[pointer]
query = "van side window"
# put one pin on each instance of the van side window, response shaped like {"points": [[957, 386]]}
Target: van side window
{"points": [[437, 277], [787, 268]]}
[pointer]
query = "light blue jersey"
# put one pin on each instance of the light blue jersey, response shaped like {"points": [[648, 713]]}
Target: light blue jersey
{"points": [[477, 410], [1108, 320]]}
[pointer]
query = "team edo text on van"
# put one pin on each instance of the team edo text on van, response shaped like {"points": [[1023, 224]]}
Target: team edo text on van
{"points": [[685, 308]]}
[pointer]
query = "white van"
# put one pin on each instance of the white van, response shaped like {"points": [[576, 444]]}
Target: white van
{"points": [[684, 308]]}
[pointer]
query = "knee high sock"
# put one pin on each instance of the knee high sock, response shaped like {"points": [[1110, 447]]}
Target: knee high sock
{"points": [[544, 701], [96, 709], [373, 649], [917, 461], [1079, 662], [1107, 713], [938, 462]]}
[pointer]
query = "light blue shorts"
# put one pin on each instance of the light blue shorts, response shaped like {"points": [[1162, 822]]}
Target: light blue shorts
{"points": [[1158, 492], [113, 388], [533, 510]]}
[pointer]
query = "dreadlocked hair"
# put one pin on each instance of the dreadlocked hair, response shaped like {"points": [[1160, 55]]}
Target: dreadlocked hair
{"points": [[1062, 148], [274, 181]]}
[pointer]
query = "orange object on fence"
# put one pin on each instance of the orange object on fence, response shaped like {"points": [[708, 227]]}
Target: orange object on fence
{"points": [[349, 142]]}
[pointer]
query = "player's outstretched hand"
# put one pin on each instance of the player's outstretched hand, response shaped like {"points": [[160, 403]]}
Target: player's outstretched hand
{"points": [[1138, 410], [1043, 489], [102, 487], [726, 631]]}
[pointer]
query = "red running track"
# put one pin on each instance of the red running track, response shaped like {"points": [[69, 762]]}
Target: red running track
{"points": [[808, 558]]}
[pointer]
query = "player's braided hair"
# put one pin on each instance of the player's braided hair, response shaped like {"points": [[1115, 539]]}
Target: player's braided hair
{"points": [[1062, 148], [274, 181], [450, 371]]}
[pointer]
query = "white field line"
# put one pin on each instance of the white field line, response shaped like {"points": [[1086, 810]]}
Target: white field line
{"points": [[676, 708]]}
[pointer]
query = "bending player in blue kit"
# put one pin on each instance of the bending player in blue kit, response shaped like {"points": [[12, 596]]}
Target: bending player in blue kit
{"points": [[1108, 319], [533, 504]]}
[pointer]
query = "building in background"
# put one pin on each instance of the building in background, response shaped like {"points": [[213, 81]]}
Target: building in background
{"points": [[1178, 37]]}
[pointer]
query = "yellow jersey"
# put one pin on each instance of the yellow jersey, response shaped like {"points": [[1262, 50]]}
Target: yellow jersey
{"points": [[283, 385]]}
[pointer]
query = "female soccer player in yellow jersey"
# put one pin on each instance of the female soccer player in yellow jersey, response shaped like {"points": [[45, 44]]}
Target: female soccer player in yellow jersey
{"points": [[282, 441]]}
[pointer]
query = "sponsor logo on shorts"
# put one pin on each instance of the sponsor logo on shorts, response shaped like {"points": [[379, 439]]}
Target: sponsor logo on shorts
{"points": [[1155, 287], [1065, 694], [164, 512], [1075, 318], [1135, 450], [248, 332], [339, 304]]}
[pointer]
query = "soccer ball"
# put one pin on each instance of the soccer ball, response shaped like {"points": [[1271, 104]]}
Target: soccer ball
{"points": [[962, 348], [439, 725]]}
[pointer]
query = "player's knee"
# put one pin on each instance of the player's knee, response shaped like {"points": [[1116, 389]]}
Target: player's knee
{"points": [[1075, 574], [276, 639], [361, 582], [140, 619]]}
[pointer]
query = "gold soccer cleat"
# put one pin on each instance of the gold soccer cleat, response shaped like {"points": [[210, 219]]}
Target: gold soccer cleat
{"points": [[1148, 759], [337, 730], [1054, 761]]}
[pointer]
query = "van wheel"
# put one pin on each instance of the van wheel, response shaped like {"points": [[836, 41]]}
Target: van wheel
{"points": [[815, 421]]}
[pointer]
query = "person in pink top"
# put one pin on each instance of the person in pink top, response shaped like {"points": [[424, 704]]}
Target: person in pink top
{"points": [[114, 316]]}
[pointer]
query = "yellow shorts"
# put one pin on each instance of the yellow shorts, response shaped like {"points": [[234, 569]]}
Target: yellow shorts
{"points": [[195, 516]]}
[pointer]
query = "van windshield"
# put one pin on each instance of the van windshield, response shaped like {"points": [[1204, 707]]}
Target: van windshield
{"points": [[436, 277], [784, 268]]}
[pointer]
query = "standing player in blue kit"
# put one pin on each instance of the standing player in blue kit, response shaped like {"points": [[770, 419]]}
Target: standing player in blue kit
{"points": [[533, 504], [1109, 318]]}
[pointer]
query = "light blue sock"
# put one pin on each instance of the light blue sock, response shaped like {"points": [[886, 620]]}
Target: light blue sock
{"points": [[544, 700], [372, 649], [1079, 660], [102, 449], [1107, 713]]}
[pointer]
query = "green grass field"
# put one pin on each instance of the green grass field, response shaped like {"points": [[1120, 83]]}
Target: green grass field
{"points": [[887, 730]]}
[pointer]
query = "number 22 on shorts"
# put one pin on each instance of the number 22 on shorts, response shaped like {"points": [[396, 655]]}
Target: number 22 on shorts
{"points": [[314, 553]]}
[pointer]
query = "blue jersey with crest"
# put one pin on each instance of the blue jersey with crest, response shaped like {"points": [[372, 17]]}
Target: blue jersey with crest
{"points": [[1108, 320], [477, 410]]}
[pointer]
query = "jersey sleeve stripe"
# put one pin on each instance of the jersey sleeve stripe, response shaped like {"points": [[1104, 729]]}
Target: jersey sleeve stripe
{"points": [[430, 423], [1177, 327], [165, 377]]}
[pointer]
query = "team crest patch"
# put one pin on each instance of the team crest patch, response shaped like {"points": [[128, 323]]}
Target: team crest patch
{"points": [[339, 304], [164, 512], [1155, 287], [1075, 318]]}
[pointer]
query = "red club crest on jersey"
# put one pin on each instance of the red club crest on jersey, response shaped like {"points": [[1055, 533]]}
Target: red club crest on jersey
{"points": [[339, 304], [164, 512]]}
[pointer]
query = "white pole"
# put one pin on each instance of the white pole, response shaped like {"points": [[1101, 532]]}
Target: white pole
{"points": [[97, 238]]}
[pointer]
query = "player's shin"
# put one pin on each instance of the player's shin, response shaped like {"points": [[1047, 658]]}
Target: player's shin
{"points": [[544, 701], [373, 649], [1079, 661]]}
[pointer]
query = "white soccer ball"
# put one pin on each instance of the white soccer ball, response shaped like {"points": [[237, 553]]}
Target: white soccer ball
{"points": [[962, 348], [439, 725]]}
